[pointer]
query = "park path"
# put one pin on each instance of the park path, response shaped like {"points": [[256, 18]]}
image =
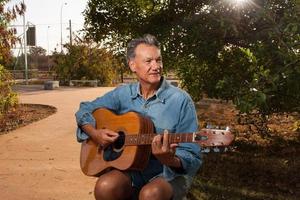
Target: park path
{"points": [[41, 161]]}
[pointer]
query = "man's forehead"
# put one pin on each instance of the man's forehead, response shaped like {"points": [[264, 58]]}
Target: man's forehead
{"points": [[146, 50]]}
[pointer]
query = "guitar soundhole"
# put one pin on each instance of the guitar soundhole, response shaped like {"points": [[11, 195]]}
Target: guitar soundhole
{"points": [[119, 143], [114, 151]]}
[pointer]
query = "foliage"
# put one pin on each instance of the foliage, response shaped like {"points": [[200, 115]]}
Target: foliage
{"points": [[296, 126], [7, 38], [245, 53], [8, 98], [86, 61]]}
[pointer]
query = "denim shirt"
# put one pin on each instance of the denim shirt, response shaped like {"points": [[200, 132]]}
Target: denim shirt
{"points": [[169, 108]]}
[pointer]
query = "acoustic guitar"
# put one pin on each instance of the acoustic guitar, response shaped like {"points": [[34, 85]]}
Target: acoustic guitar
{"points": [[132, 149]]}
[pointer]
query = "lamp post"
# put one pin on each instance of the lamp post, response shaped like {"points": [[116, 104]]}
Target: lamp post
{"points": [[25, 47], [48, 53], [48, 27], [61, 8]]}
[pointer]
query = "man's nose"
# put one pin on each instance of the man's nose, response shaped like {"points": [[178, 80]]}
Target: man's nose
{"points": [[155, 65]]}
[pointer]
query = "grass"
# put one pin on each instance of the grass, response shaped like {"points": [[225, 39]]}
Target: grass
{"points": [[255, 168]]}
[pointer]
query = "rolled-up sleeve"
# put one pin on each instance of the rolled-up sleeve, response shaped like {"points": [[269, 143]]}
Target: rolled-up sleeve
{"points": [[85, 113]]}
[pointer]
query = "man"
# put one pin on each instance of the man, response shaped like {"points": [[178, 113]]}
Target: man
{"points": [[171, 167]]}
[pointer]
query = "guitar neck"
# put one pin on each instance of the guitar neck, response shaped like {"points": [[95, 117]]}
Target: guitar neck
{"points": [[146, 139], [204, 137]]}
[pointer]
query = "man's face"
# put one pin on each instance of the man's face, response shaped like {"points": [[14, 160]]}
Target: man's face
{"points": [[147, 64]]}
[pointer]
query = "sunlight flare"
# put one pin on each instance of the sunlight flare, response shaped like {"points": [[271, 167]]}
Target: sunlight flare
{"points": [[240, 3]]}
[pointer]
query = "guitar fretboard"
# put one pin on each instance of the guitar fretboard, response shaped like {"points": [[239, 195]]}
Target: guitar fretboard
{"points": [[146, 139]]}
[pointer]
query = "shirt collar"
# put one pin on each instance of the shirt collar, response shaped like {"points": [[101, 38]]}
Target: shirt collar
{"points": [[159, 93], [135, 90], [161, 89]]}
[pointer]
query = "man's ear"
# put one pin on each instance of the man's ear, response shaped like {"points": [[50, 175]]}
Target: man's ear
{"points": [[131, 64]]}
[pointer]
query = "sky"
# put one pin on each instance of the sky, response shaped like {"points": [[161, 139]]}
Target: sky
{"points": [[45, 15]]}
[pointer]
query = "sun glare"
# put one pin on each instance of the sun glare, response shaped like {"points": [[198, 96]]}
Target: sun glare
{"points": [[240, 2]]}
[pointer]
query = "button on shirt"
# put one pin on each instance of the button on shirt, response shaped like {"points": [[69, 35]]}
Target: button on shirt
{"points": [[169, 108]]}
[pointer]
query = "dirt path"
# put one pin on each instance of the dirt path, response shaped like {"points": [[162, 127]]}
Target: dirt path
{"points": [[41, 160]]}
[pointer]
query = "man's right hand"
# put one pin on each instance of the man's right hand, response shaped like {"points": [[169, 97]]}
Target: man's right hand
{"points": [[103, 137]]}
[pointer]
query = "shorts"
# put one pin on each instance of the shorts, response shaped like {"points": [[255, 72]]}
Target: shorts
{"points": [[179, 184], [180, 188]]}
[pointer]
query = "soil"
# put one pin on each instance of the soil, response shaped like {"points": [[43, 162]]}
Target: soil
{"points": [[249, 128], [24, 114], [258, 165]]}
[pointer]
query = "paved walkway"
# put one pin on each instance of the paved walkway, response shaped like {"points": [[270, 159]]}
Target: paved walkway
{"points": [[41, 161]]}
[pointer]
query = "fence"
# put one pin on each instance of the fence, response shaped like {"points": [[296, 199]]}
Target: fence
{"points": [[33, 74], [42, 76]]}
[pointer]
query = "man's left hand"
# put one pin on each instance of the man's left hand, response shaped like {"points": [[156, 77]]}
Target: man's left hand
{"points": [[164, 151]]}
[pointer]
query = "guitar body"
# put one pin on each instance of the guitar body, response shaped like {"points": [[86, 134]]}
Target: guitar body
{"points": [[94, 160], [132, 148]]}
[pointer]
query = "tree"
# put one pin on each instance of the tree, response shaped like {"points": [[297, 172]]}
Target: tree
{"points": [[86, 61], [37, 51], [248, 54], [38, 59], [7, 38], [8, 98]]}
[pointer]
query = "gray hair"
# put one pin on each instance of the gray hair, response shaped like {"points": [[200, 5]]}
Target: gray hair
{"points": [[146, 39]]}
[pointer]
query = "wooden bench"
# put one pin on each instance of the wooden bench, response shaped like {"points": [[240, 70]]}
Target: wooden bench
{"points": [[50, 85], [93, 83]]}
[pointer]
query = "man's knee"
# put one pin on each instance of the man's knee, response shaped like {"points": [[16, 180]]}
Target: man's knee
{"points": [[150, 193], [156, 189], [103, 187], [112, 186]]}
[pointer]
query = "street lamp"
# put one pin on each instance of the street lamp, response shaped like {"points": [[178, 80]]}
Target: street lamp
{"points": [[25, 47], [48, 40], [48, 53], [61, 8]]}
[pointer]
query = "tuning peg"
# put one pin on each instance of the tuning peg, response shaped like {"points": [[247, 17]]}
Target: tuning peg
{"points": [[216, 149], [205, 150]]}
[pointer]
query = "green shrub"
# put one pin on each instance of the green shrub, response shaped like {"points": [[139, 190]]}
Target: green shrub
{"points": [[8, 98], [83, 61]]}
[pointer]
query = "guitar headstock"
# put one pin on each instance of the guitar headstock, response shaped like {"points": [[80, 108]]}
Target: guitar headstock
{"points": [[214, 137]]}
